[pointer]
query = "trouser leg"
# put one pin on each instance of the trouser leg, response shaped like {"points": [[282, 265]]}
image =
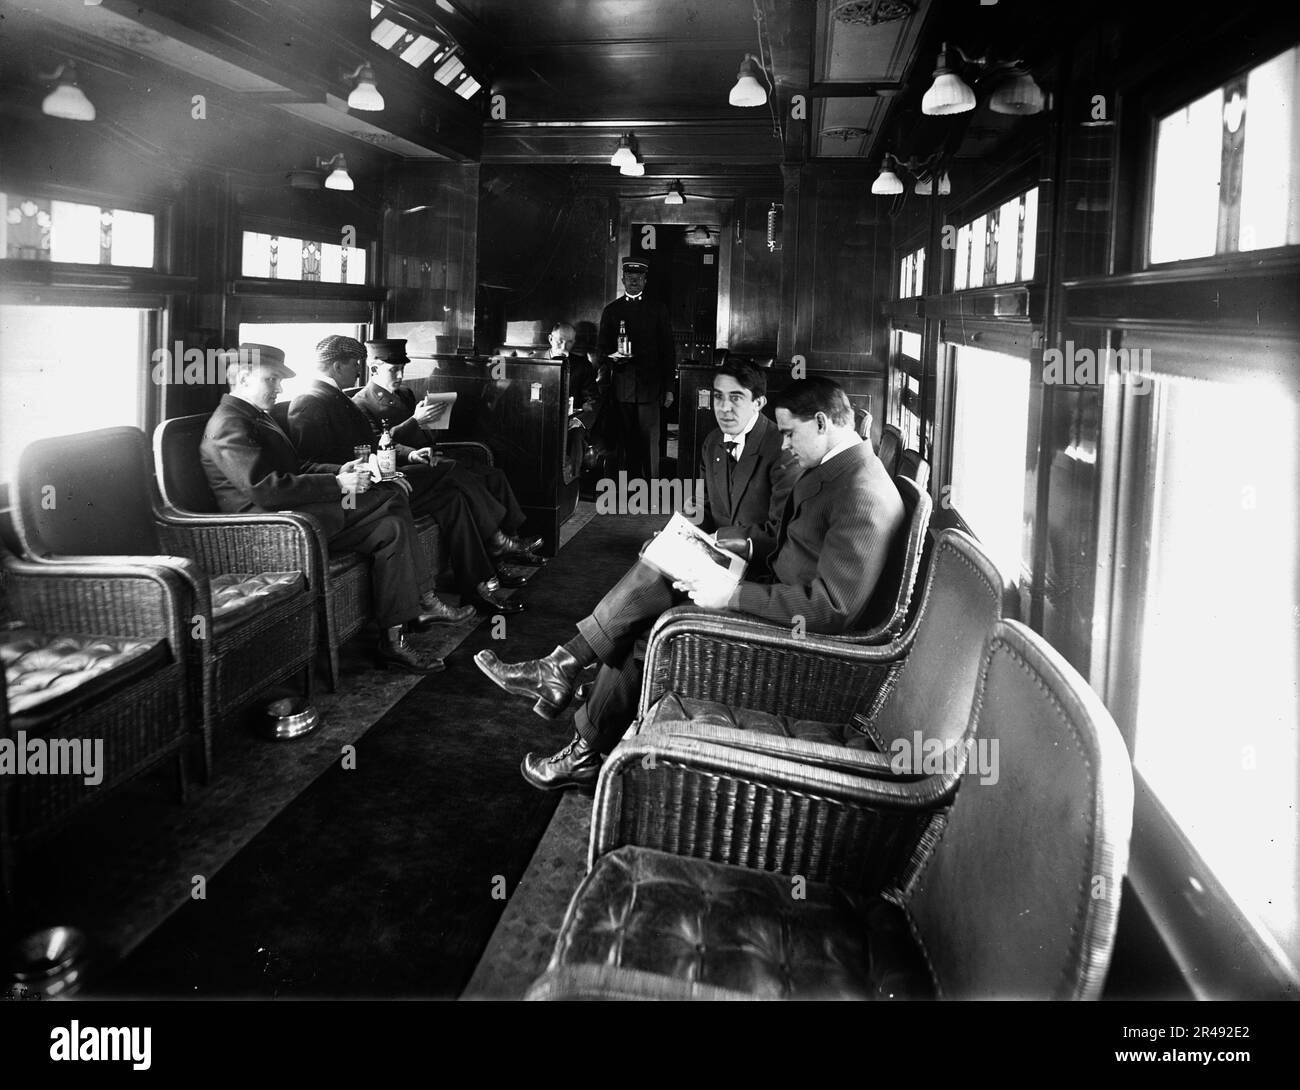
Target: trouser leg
{"points": [[610, 709], [648, 429], [467, 555], [389, 540], [628, 610]]}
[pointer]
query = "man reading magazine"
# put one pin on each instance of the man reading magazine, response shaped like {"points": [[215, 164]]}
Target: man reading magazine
{"points": [[830, 546]]}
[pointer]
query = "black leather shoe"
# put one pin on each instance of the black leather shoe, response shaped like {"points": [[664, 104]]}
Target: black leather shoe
{"points": [[436, 611], [523, 557], [576, 765], [521, 550], [489, 600], [393, 654], [548, 681], [510, 578]]}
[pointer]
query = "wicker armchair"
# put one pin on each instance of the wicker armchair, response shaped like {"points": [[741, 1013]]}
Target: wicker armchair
{"points": [[253, 578], [1018, 899], [913, 466], [891, 443], [810, 725], [96, 652]]}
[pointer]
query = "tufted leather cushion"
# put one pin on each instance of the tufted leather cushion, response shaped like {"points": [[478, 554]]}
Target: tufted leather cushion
{"points": [[736, 929], [237, 596], [53, 674], [673, 710]]}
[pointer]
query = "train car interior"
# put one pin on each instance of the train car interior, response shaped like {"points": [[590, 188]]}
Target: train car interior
{"points": [[1040, 251]]}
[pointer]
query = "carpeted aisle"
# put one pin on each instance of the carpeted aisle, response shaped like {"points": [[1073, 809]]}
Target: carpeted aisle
{"points": [[386, 879]]}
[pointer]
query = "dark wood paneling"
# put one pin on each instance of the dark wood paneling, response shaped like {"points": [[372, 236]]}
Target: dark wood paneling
{"points": [[755, 284]]}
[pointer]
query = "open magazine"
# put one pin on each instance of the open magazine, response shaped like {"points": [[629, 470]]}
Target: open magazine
{"points": [[682, 551], [444, 421]]}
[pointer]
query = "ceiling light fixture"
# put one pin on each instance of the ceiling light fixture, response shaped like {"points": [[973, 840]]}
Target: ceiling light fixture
{"points": [[634, 169], [676, 194], [338, 177], [67, 99], [748, 91], [623, 155], [950, 94], [365, 95]]}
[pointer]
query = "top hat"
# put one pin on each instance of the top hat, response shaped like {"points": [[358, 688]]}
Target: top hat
{"points": [[267, 356], [634, 264], [387, 351]]}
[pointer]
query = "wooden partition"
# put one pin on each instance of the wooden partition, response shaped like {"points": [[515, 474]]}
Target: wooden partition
{"points": [[519, 408]]}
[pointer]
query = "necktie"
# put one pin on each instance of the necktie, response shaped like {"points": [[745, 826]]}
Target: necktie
{"points": [[730, 445]]}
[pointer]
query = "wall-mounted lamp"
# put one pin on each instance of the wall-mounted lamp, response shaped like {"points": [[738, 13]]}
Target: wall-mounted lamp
{"points": [[887, 183], [365, 95], [748, 91], [623, 155], [635, 169], [338, 177], [676, 194], [950, 94], [925, 185], [67, 100]]}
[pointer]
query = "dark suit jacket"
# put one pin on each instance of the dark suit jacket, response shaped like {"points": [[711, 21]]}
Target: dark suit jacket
{"points": [[253, 466], [834, 539], [394, 408], [325, 425], [760, 483], [644, 378]]}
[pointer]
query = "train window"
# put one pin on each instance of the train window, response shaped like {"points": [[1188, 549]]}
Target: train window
{"points": [[905, 388], [1216, 702], [997, 247], [990, 426], [911, 274], [41, 229], [282, 257], [1226, 179], [69, 369]]}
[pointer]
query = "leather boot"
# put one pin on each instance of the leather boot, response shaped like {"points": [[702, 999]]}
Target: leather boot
{"points": [[576, 765], [487, 598], [521, 550], [511, 577], [547, 681], [433, 610], [393, 654]]}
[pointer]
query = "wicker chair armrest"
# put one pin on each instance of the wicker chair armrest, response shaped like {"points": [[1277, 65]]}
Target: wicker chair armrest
{"points": [[739, 660], [858, 762], [114, 596], [280, 541], [695, 797], [470, 447]]}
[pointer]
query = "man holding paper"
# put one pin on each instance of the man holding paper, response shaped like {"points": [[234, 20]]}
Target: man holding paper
{"points": [[828, 548]]}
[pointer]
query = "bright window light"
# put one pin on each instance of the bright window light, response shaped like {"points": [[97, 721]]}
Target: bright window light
{"points": [[419, 51], [298, 341], [1218, 703], [990, 426]]}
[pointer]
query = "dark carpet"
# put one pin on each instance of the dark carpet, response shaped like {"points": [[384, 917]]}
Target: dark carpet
{"points": [[387, 879]]}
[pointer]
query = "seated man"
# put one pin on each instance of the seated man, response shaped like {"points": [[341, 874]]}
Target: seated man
{"points": [[326, 425], [829, 549], [251, 465], [389, 403], [583, 388]]}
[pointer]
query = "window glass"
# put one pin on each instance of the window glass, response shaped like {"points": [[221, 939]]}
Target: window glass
{"points": [[283, 257], [1218, 704], [1226, 179], [69, 369], [990, 428], [40, 229]]}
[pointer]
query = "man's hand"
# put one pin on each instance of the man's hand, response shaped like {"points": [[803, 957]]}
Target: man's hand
{"points": [[354, 476], [574, 422], [703, 597], [668, 399], [425, 414], [423, 456], [733, 539]]}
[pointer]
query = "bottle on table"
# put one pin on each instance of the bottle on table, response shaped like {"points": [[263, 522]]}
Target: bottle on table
{"points": [[624, 341], [387, 454]]}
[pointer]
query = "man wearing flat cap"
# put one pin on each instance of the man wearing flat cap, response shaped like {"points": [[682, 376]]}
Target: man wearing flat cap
{"points": [[325, 424], [642, 380], [252, 465]]}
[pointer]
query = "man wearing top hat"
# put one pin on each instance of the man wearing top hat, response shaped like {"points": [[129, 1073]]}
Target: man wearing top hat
{"points": [[641, 382], [252, 465]]}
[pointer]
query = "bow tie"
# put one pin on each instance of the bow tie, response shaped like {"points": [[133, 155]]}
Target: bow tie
{"points": [[730, 445]]}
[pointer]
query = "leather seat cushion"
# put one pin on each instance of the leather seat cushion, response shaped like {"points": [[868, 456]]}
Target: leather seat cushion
{"points": [[745, 931], [238, 596], [673, 709], [48, 675]]}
